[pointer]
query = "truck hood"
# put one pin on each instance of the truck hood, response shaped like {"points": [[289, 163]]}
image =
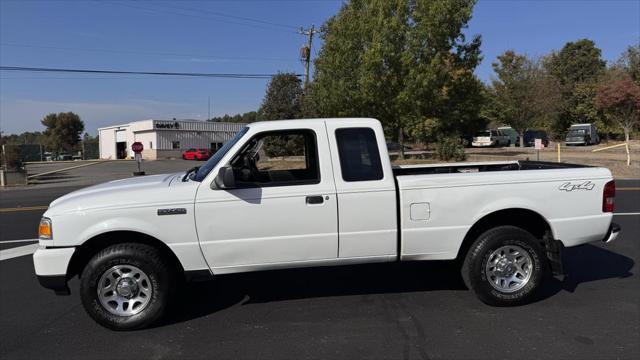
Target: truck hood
{"points": [[136, 191]]}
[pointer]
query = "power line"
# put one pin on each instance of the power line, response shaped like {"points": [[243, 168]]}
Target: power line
{"points": [[121, 72], [127, 51], [158, 10], [216, 13]]}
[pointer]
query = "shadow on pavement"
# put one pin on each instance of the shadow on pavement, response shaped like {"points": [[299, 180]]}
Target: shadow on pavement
{"points": [[583, 264], [588, 263], [59, 177]]}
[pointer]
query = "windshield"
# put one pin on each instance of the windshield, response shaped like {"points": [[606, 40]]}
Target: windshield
{"points": [[483, 133], [577, 132], [205, 169]]}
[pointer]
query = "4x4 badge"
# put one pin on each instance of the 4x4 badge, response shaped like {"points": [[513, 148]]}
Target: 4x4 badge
{"points": [[587, 185]]}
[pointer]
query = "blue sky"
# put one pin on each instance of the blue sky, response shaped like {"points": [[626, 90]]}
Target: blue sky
{"points": [[192, 36]]}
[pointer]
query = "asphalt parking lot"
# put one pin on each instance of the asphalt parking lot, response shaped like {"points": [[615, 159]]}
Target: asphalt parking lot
{"points": [[409, 311]]}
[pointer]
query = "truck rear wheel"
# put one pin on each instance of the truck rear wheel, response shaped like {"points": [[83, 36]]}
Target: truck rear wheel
{"points": [[126, 286], [505, 266]]}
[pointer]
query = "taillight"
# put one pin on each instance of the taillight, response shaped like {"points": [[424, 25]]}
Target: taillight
{"points": [[608, 195]]}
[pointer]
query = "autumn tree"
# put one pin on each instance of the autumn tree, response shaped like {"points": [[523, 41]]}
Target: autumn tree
{"points": [[621, 100], [62, 130]]}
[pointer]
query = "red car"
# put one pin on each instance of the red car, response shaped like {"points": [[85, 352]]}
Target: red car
{"points": [[196, 154]]}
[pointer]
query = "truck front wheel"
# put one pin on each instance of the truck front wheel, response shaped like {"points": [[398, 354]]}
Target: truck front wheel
{"points": [[126, 286], [505, 266]]}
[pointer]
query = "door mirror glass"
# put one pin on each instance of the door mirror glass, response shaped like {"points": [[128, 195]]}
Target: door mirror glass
{"points": [[225, 179]]}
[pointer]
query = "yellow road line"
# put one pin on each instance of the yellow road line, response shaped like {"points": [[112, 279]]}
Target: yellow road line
{"points": [[23, 208]]}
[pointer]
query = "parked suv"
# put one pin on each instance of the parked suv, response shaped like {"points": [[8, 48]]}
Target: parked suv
{"points": [[511, 133], [490, 138], [530, 137]]}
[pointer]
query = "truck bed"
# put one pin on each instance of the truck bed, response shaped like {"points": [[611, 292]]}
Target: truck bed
{"points": [[438, 204], [476, 167]]}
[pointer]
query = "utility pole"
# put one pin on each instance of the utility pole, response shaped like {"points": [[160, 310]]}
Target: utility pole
{"points": [[306, 51], [209, 109]]}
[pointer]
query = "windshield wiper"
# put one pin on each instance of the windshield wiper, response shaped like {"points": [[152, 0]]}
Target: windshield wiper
{"points": [[186, 175]]}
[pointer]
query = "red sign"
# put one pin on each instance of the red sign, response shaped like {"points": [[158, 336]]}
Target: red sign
{"points": [[137, 147]]}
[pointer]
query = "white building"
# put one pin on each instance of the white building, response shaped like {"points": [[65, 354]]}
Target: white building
{"points": [[163, 139]]}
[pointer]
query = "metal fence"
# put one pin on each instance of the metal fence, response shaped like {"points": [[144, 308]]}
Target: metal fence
{"points": [[14, 156], [90, 150]]}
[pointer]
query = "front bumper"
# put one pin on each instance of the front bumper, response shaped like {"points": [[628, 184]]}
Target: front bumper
{"points": [[482, 144], [51, 266], [612, 234], [575, 142], [57, 283]]}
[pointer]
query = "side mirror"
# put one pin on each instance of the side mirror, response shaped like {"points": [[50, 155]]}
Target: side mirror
{"points": [[225, 179]]}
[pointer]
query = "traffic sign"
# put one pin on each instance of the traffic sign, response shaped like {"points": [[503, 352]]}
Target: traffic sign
{"points": [[538, 144], [137, 147]]}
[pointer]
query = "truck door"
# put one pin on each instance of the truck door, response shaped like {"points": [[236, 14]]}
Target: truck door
{"points": [[283, 210], [365, 188]]}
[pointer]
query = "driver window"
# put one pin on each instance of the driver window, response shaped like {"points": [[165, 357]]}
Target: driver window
{"points": [[278, 158]]}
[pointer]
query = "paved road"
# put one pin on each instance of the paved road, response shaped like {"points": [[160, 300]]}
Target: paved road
{"points": [[415, 310]]}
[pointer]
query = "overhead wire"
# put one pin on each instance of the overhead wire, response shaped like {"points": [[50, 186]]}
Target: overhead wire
{"points": [[126, 72], [217, 13], [128, 51], [162, 10]]}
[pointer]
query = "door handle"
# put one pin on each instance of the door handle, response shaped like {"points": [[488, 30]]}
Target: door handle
{"points": [[314, 200]]}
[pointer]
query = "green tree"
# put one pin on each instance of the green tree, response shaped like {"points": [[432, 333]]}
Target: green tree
{"points": [[621, 99], [523, 96], [576, 64], [27, 137], [283, 99], [426, 131], [400, 61], [63, 130]]}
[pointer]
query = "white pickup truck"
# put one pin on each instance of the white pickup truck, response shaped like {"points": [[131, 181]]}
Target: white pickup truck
{"points": [[318, 192]]}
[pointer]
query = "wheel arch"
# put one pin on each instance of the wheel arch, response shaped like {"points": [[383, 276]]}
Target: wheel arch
{"points": [[526, 219], [92, 246]]}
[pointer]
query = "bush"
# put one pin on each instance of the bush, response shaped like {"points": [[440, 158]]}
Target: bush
{"points": [[450, 148]]}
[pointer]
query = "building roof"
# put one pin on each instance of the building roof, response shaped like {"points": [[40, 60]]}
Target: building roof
{"points": [[181, 121]]}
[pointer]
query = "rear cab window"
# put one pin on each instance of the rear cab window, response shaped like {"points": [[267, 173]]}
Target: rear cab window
{"points": [[359, 154]]}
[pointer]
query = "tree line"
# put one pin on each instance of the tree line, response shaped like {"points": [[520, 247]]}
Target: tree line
{"points": [[62, 133], [409, 64]]}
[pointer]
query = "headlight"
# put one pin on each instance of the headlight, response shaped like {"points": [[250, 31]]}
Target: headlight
{"points": [[45, 231]]}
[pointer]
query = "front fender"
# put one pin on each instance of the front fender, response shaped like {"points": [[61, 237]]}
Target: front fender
{"points": [[176, 231]]}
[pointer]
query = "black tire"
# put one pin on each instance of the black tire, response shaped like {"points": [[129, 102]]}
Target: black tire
{"points": [[475, 275], [155, 266]]}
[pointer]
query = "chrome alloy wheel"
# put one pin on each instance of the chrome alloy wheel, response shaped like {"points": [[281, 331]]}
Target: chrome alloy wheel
{"points": [[509, 268], [124, 290]]}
